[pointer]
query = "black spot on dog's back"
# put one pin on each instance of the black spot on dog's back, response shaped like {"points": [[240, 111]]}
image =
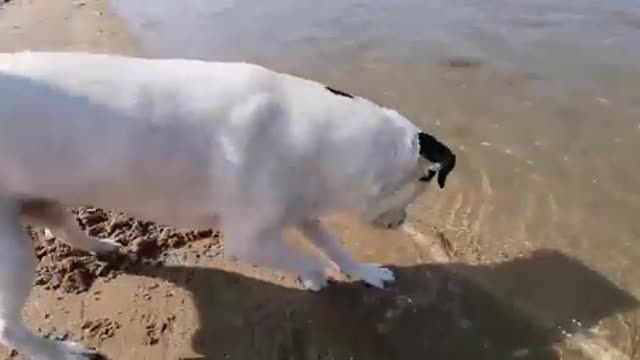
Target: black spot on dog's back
{"points": [[338, 92]]}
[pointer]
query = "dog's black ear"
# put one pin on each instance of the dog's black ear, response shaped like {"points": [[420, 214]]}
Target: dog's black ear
{"points": [[436, 152], [446, 168]]}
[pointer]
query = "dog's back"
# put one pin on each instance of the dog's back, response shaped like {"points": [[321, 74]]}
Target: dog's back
{"points": [[105, 129]]}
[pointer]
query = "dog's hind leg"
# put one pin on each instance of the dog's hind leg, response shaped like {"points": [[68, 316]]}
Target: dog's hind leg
{"points": [[17, 271], [61, 225]]}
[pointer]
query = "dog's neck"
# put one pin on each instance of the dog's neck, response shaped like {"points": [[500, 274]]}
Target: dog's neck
{"points": [[395, 165]]}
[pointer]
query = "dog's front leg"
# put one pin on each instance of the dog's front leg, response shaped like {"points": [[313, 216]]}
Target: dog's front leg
{"points": [[323, 239], [263, 246]]}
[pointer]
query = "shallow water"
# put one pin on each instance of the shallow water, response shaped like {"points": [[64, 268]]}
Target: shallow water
{"points": [[545, 116]]}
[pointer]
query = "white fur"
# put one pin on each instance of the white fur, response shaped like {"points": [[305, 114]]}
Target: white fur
{"points": [[190, 144]]}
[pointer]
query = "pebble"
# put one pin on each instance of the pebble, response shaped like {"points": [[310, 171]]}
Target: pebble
{"points": [[403, 301], [462, 62], [392, 313], [520, 353], [465, 324], [383, 328]]}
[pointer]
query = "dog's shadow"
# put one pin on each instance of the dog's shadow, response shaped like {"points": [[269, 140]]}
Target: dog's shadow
{"points": [[435, 312]]}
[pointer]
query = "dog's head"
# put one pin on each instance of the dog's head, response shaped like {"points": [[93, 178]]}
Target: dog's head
{"points": [[433, 160], [403, 162]]}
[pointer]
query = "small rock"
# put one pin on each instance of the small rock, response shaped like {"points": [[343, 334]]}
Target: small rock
{"points": [[392, 313], [462, 62], [465, 324], [383, 328], [520, 353], [403, 301]]}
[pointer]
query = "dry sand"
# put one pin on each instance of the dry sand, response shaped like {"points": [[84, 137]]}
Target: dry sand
{"points": [[174, 297]]}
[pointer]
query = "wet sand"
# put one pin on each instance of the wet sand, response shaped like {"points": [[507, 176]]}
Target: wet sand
{"points": [[457, 297]]}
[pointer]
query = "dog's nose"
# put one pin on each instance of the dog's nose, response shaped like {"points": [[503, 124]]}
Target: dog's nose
{"points": [[397, 223], [400, 222]]}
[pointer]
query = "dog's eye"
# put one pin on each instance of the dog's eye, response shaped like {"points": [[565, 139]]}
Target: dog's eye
{"points": [[429, 176]]}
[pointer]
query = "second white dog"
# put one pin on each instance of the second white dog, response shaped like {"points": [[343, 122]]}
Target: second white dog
{"points": [[194, 144]]}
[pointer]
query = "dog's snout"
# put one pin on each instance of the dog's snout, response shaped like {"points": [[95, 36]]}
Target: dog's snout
{"points": [[391, 220], [397, 223]]}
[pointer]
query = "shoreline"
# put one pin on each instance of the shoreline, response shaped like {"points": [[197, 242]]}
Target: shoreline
{"points": [[166, 316]]}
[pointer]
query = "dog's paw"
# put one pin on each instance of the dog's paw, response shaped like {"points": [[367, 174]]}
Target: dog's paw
{"points": [[373, 275], [48, 235], [314, 285], [104, 246], [73, 351], [313, 282]]}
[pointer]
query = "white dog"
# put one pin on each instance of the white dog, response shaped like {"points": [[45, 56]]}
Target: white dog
{"points": [[194, 144]]}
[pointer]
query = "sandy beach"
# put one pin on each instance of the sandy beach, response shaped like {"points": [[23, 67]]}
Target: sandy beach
{"points": [[174, 296]]}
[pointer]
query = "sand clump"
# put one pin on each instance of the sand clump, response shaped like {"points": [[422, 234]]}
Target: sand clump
{"points": [[101, 329], [156, 329], [72, 271]]}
